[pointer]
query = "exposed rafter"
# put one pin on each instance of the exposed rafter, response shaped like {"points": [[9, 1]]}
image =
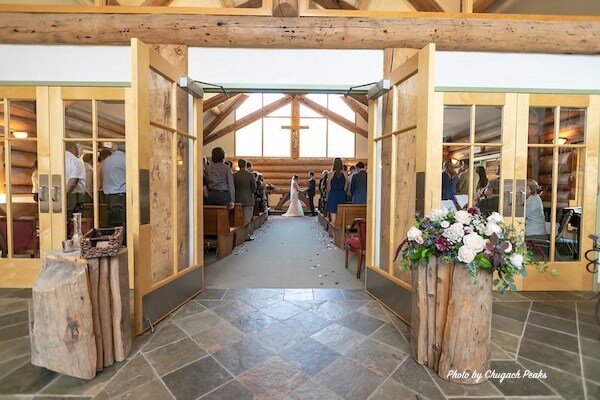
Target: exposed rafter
{"points": [[231, 107], [338, 119], [285, 8], [250, 118], [227, 4], [426, 5], [215, 101], [156, 3], [481, 6], [356, 107], [466, 6], [250, 4], [361, 98], [335, 5], [363, 4]]}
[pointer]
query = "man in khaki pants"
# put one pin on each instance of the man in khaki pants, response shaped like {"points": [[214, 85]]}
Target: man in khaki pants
{"points": [[245, 187]]}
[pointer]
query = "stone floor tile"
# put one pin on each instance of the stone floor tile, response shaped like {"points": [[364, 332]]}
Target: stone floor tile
{"points": [[566, 385], [10, 306], [298, 294], [261, 302], [243, 355], [308, 322], [232, 390], [8, 366], [507, 325], [279, 337], [239, 294], [71, 386], [388, 334], [169, 334], [349, 380], [414, 376], [361, 323], [505, 341], [499, 354], [212, 304], [333, 310], [589, 348], [191, 308], [44, 397], [199, 322], [538, 296], [27, 379], [221, 335], [273, 379], [211, 294], [552, 356], [557, 324], [196, 379], [512, 309], [356, 294], [154, 390], [591, 369], [234, 310], [14, 331], [327, 294], [310, 356], [564, 310], [253, 322], [517, 386], [339, 338], [306, 304], [552, 338], [312, 390], [175, 355], [378, 357], [482, 389], [392, 390], [135, 373], [586, 318], [593, 390], [508, 296], [375, 310], [591, 332], [282, 310], [565, 296]]}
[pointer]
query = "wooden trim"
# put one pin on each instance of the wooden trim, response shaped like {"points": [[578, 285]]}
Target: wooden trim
{"points": [[372, 182], [391, 277], [172, 130], [164, 68], [474, 98], [327, 113], [565, 100], [400, 131], [92, 93], [466, 6], [405, 71]]}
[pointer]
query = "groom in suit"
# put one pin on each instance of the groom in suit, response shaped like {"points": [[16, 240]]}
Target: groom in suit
{"points": [[358, 187], [245, 187], [310, 192]]}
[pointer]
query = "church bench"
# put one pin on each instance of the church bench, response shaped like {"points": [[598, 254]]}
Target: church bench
{"points": [[217, 229], [236, 219], [346, 214]]}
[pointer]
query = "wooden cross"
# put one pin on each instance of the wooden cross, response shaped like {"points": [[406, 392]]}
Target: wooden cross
{"points": [[295, 128]]}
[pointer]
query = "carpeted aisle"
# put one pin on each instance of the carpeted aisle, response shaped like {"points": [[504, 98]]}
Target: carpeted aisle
{"points": [[286, 253]]}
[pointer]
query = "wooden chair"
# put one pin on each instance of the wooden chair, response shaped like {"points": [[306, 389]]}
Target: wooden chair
{"points": [[356, 244], [346, 214], [217, 229]]}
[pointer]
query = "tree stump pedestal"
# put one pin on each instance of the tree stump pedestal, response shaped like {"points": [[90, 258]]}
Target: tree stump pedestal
{"points": [[81, 321], [451, 322]]}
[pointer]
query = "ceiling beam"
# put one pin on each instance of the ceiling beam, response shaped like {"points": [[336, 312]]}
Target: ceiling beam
{"points": [[363, 4], [251, 4], [215, 101], [449, 31], [227, 4], [426, 5], [335, 4], [466, 6], [356, 107], [330, 115], [231, 107], [481, 6], [155, 3], [285, 8], [361, 98], [250, 118]]}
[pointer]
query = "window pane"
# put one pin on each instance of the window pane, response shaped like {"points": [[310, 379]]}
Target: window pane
{"points": [[320, 99], [248, 140], [569, 203], [541, 125], [78, 173], [252, 103], [3, 205], [285, 111], [2, 122], [486, 179], [313, 141], [488, 124], [184, 199], [572, 126], [457, 124], [538, 202], [111, 119], [78, 119], [337, 105], [340, 141], [279, 139]]}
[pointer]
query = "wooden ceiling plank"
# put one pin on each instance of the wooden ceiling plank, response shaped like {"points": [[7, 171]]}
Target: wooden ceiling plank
{"points": [[250, 118], [356, 107], [330, 115], [426, 5], [238, 101]]}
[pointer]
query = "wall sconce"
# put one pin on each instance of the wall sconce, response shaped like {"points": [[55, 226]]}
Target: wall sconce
{"points": [[562, 140], [20, 134], [2, 198], [454, 161]]}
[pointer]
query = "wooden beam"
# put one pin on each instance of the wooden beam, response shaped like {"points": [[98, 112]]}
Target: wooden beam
{"points": [[227, 4], [285, 8], [466, 6], [481, 6], [503, 5], [356, 107], [215, 101], [450, 31], [155, 3], [338, 119], [238, 101], [363, 4], [335, 5], [426, 5], [250, 118], [361, 98], [251, 4], [216, 111]]}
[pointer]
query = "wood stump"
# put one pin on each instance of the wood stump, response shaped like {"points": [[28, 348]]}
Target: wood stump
{"points": [[451, 320]]}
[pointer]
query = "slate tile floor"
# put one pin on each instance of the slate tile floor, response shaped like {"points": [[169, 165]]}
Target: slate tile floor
{"points": [[314, 344]]}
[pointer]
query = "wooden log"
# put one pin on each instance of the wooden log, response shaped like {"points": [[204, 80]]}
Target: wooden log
{"points": [[62, 336], [431, 276], [23, 159], [105, 312], [418, 321], [119, 290], [94, 279], [467, 341], [444, 277], [20, 176], [24, 145], [104, 122]]}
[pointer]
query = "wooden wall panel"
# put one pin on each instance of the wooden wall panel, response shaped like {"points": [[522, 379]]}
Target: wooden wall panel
{"points": [[385, 216]]}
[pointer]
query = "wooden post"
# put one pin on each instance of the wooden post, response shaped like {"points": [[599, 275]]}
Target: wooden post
{"points": [[105, 312], [444, 277], [418, 321], [466, 6]]}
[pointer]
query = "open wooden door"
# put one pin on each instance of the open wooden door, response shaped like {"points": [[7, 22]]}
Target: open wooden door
{"points": [[164, 187], [400, 151]]}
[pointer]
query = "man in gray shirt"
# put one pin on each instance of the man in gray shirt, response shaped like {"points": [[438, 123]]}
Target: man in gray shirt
{"points": [[245, 187], [113, 185]]}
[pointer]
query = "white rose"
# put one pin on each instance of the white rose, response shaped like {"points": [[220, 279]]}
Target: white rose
{"points": [[445, 224], [474, 242], [415, 235], [454, 233], [495, 217], [463, 217], [516, 259], [508, 248], [438, 214], [492, 228], [466, 254]]}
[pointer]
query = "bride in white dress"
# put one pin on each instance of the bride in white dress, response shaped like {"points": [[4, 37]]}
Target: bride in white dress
{"points": [[295, 208]]}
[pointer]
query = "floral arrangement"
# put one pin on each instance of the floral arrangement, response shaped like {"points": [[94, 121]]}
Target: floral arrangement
{"points": [[468, 237]]}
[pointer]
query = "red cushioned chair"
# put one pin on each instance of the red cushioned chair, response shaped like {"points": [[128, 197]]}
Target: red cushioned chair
{"points": [[356, 244]]}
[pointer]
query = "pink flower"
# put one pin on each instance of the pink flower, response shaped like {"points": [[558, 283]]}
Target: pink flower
{"points": [[442, 244], [474, 211]]}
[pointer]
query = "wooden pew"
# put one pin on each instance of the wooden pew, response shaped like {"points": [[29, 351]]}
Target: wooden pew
{"points": [[346, 214], [217, 229], [236, 220]]}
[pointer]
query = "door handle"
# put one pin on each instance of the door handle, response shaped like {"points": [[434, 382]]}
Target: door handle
{"points": [[43, 194], [508, 198], [56, 193], [521, 197]]}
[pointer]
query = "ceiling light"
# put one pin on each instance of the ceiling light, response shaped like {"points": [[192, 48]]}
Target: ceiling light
{"points": [[20, 134]]}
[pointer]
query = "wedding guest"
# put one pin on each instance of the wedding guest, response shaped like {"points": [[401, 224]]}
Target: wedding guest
{"points": [[336, 188], [89, 177], [323, 190], [219, 180], [245, 187], [462, 187], [491, 202], [74, 178], [113, 172], [535, 220], [103, 155], [449, 181], [358, 185], [351, 173], [483, 181], [310, 192]]}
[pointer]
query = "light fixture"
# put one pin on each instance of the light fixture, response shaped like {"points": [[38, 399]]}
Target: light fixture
{"points": [[454, 161], [2, 198], [20, 134], [562, 140]]}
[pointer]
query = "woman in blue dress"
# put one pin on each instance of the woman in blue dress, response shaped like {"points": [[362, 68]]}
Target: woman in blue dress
{"points": [[336, 189]]}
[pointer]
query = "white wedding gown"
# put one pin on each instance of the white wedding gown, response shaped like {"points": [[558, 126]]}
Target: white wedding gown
{"points": [[295, 208]]}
